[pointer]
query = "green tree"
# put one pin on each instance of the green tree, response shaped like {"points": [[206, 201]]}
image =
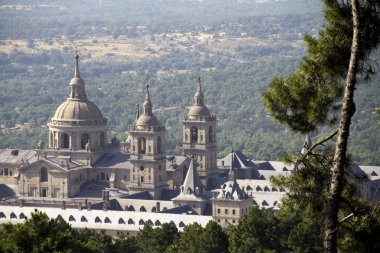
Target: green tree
{"points": [[306, 99], [258, 231]]}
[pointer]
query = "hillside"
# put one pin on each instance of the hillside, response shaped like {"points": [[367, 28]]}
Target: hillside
{"points": [[237, 47]]}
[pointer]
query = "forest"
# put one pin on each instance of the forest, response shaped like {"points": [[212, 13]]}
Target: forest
{"points": [[237, 47]]}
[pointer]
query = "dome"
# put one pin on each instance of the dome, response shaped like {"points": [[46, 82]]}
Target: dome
{"points": [[198, 111], [78, 110], [147, 121]]}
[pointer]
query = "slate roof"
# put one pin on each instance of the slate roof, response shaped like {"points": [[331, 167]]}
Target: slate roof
{"points": [[17, 156], [239, 159], [114, 160]]}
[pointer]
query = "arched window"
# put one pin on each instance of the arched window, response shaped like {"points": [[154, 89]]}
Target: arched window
{"points": [[71, 218], [84, 139], [130, 222], [194, 134], [121, 221], [141, 222], [107, 220], [102, 139], [59, 217], [142, 209], [22, 216], [142, 145], [154, 209], [210, 133], [65, 140], [131, 208], [150, 223], [181, 224], [43, 175], [13, 215], [157, 223], [2, 215], [83, 219], [98, 220], [159, 144]]}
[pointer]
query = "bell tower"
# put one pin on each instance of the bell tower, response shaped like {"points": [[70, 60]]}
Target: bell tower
{"points": [[199, 136], [148, 154]]}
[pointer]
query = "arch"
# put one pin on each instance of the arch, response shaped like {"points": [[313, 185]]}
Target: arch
{"points": [[154, 209], [142, 209], [6, 170], [84, 139], [159, 144], [83, 219], [210, 133], [98, 220], [130, 221], [71, 218], [157, 223], [64, 140], [141, 222], [13, 215], [43, 174], [107, 220], [142, 145], [121, 221], [102, 139], [21, 216], [194, 134], [181, 224]]}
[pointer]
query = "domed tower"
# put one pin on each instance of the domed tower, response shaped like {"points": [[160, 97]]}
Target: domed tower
{"points": [[77, 127], [199, 136], [148, 154]]}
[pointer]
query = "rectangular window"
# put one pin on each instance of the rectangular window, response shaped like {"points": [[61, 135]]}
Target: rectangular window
{"points": [[142, 179], [233, 211], [218, 210], [233, 221], [218, 220], [226, 211], [44, 192]]}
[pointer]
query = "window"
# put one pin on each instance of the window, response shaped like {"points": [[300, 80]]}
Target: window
{"points": [[83, 219], [150, 223], [226, 211], [43, 174], [13, 215], [159, 167], [142, 209], [154, 209], [157, 223], [2, 215], [107, 220], [98, 220], [65, 140], [142, 168], [131, 222], [141, 222], [149, 149], [181, 224], [194, 134], [59, 217], [102, 176], [71, 218], [142, 145], [218, 210], [44, 192], [159, 144], [22, 216], [233, 211], [218, 220], [210, 134], [121, 221], [102, 139], [6, 172], [142, 179], [233, 221], [85, 138]]}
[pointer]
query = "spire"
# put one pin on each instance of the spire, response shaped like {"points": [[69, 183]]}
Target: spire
{"points": [[231, 173], [147, 103], [198, 94], [306, 144], [192, 183], [76, 72], [77, 83]]}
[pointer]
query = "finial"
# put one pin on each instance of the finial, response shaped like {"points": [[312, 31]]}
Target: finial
{"points": [[147, 95], [138, 111], [199, 84], [76, 73]]}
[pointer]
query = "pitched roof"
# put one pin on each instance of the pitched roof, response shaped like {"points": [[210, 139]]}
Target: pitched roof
{"points": [[240, 161]]}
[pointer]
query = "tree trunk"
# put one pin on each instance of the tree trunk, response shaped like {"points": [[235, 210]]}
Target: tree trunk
{"points": [[348, 110]]}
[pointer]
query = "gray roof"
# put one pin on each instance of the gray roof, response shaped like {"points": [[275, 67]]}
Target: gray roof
{"points": [[240, 161], [17, 156], [114, 160]]}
